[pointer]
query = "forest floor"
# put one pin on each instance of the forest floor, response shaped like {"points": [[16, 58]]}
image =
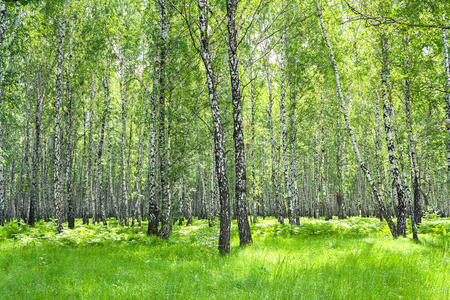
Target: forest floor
{"points": [[338, 259]]}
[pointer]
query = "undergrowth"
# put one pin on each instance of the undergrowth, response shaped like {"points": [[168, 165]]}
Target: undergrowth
{"points": [[354, 258]]}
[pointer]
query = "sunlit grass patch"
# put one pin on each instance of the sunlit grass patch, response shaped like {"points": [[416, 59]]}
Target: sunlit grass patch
{"points": [[318, 259]]}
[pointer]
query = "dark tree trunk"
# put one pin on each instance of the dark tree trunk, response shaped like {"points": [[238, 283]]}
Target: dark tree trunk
{"points": [[166, 226], [387, 117], [245, 235]]}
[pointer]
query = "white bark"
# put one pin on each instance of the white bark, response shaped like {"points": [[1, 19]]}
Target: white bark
{"points": [[447, 99], [275, 187], [58, 170]]}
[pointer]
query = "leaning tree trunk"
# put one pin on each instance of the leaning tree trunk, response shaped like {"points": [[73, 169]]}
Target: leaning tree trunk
{"points": [[218, 134], [363, 166]]}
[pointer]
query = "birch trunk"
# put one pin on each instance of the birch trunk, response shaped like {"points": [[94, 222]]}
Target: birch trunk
{"points": [[100, 186], [255, 198], [412, 144], [137, 213], [275, 188], [245, 235], [447, 99], [322, 184], [218, 134], [88, 156], [25, 182], [130, 146], [123, 176], [378, 149], [110, 175], [286, 193], [339, 193], [166, 227], [35, 179], [213, 189], [58, 169], [293, 187], [68, 142], [153, 209], [158, 69], [387, 118], [415, 204]]}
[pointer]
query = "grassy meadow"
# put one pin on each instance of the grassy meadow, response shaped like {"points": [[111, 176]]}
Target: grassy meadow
{"points": [[338, 259]]}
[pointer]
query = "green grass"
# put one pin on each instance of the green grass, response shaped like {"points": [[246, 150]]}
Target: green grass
{"points": [[350, 259]]}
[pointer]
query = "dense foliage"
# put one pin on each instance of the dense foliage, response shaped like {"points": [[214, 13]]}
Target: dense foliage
{"points": [[123, 111]]}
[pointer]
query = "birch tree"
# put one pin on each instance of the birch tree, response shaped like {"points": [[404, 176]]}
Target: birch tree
{"points": [[218, 133], [245, 235], [58, 168]]}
